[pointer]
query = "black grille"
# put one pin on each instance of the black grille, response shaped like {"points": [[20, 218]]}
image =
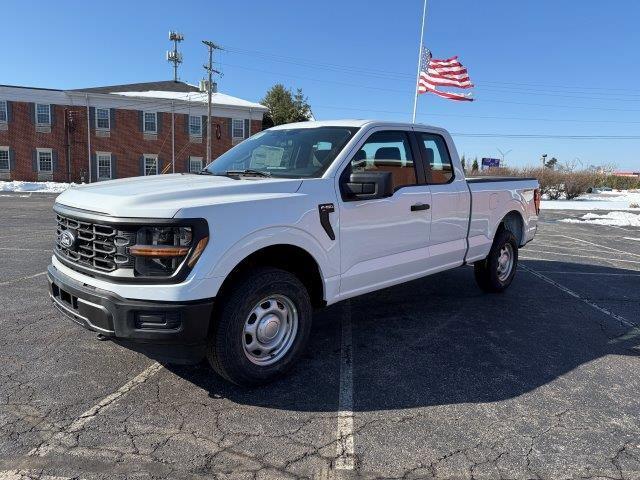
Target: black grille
{"points": [[97, 246]]}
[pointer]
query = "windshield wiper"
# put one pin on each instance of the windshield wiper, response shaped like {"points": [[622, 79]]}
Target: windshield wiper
{"points": [[248, 171]]}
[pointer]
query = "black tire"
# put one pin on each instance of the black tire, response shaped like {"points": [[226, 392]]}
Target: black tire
{"points": [[486, 271], [226, 350]]}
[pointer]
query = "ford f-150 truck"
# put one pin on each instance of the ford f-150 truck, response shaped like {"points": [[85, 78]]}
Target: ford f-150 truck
{"points": [[229, 263]]}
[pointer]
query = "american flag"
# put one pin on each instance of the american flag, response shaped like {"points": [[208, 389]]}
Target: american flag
{"points": [[449, 73]]}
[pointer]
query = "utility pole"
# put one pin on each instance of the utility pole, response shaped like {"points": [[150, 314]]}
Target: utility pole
{"points": [[174, 56], [173, 138], [209, 68]]}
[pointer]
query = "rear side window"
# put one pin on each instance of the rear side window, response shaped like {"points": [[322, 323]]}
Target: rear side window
{"points": [[387, 151], [438, 162]]}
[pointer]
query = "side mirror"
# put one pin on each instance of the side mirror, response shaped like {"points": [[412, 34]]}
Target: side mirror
{"points": [[368, 185]]}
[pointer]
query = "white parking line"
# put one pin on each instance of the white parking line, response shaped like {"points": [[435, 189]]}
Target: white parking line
{"points": [[632, 238], [581, 256], [606, 274], [15, 280], [98, 408], [345, 445], [559, 286], [601, 246]]}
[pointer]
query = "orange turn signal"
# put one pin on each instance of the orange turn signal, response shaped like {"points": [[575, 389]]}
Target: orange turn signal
{"points": [[158, 251], [197, 251]]}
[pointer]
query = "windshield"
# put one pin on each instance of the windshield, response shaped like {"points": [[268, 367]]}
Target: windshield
{"points": [[294, 153]]}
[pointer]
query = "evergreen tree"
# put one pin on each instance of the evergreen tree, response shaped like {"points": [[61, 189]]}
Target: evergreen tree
{"points": [[285, 107], [463, 162], [474, 167]]}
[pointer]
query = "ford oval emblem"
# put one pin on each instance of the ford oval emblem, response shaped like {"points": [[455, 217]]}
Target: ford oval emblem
{"points": [[67, 239]]}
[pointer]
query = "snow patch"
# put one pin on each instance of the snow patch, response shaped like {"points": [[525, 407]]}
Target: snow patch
{"points": [[628, 200], [38, 187], [616, 219], [217, 98]]}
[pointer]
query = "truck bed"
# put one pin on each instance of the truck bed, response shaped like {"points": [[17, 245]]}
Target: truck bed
{"points": [[492, 198]]}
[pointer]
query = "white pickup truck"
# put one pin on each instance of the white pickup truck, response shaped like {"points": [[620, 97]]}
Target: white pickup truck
{"points": [[230, 263]]}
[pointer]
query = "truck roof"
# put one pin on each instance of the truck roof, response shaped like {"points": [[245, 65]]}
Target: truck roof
{"points": [[349, 123]]}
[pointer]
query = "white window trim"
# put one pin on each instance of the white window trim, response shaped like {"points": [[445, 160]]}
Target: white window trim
{"points": [[200, 159], [44, 150], [8, 150], [144, 122], [104, 154], [36, 108], [6, 111], [195, 134], [233, 128], [108, 119], [147, 156]]}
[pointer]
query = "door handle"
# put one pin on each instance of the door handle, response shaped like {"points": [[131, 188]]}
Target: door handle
{"points": [[420, 206]]}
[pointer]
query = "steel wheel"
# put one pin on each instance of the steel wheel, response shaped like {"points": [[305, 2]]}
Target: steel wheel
{"points": [[505, 262], [270, 329]]}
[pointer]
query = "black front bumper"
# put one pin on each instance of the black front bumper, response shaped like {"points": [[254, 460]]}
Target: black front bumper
{"points": [[167, 331]]}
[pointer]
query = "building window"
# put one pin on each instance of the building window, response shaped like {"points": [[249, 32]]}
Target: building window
{"points": [[103, 119], [4, 117], [238, 128], [150, 165], [43, 114], [103, 162], [195, 125], [195, 164], [150, 122], [45, 160], [4, 159]]}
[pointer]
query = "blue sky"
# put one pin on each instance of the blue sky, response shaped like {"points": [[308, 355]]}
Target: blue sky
{"points": [[557, 68]]}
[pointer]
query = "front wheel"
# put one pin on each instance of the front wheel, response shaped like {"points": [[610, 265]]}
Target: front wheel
{"points": [[495, 273], [261, 328]]}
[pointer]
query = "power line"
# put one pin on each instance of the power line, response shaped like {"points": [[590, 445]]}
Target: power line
{"points": [[360, 86], [389, 74], [489, 117], [555, 137]]}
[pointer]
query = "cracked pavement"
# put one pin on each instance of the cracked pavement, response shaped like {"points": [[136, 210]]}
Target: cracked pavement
{"points": [[448, 382]]}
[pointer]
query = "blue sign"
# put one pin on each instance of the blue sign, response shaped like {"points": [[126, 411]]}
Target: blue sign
{"points": [[491, 162]]}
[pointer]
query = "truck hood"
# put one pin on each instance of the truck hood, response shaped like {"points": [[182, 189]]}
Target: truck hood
{"points": [[162, 196]]}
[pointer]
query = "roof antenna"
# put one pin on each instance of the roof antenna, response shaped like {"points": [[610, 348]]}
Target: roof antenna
{"points": [[174, 56]]}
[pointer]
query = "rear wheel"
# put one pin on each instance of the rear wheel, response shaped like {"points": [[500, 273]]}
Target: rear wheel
{"points": [[495, 273], [261, 328]]}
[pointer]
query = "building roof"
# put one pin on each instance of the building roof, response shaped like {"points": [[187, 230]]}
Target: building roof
{"points": [[163, 85], [217, 98]]}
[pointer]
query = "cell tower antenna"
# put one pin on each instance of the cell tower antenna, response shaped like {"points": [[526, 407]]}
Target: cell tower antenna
{"points": [[174, 56]]}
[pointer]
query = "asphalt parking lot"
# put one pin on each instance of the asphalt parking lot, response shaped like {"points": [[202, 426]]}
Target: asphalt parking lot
{"points": [[431, 379]]}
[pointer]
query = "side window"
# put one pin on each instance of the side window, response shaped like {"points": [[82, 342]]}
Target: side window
{"points": [[387, 151], [439, 167]]}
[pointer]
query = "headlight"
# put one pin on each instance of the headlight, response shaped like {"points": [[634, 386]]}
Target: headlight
{"points": [[160, 251]]}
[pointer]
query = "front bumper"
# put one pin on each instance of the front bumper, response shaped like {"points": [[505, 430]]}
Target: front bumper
{"points": [[167, 331]]}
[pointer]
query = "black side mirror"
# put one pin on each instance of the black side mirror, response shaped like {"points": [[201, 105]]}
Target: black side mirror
{"points": [[368, 185]]}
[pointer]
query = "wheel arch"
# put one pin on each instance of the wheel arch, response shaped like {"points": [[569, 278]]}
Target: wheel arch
{"points": [[513, 222], [288, 257]]}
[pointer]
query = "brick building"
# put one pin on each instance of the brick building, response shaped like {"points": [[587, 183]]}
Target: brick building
{"points": [[104, 133]]}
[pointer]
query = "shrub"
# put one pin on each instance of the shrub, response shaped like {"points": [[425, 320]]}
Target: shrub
{"points": [[577, 183]]}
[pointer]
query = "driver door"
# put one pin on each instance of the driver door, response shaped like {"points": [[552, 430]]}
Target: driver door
{"points": [[385, 241]]}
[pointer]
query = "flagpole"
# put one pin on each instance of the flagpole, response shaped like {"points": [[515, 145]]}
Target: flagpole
{"points": [[415, 98]]}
